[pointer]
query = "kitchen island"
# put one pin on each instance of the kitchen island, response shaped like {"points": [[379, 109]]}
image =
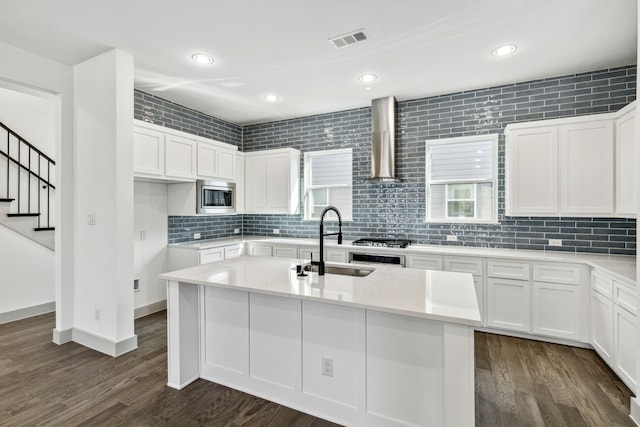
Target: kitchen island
{"points": [[392, 348]]}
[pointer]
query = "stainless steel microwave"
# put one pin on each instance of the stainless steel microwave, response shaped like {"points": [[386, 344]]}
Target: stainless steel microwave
{"points": [[215, 197]]}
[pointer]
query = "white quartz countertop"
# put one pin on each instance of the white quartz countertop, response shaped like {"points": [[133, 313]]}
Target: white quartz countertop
{"points": [[437, 295], [621, 266]]}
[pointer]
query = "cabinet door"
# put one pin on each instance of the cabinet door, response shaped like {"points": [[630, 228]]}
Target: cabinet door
{"points": [[509, 304], [207, 160], [278, 194], [255, 195], [240, 183], [556, 310], [626, 164], [226, 164], [180, 157], [232, 251], [624, 341], [586, 168], [148, 152], [532, 171], [260, 250], [602, 326]]}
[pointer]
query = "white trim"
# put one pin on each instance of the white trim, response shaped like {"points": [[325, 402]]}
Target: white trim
{"points": [[105, 345], [23, 313], [62, 336], [635, 410], [146, 310]]}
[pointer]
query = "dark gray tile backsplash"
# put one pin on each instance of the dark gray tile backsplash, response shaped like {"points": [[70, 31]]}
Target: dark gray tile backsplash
{"points": [[398, 210]]}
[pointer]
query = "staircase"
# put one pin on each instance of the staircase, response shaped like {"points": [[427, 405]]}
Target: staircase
{"points": [[27, 190]]}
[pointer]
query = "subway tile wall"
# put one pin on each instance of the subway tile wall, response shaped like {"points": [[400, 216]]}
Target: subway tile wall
{"points": [[398, 210]]}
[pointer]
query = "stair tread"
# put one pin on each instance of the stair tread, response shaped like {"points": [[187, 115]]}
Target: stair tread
{"points": [[22, 214], [6, 200], [44, 228]]}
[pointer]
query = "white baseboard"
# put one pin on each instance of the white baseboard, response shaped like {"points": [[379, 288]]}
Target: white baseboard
{"points": [[104, 345], [149, 309], [23, 313], [62, 336], [635, 410]]}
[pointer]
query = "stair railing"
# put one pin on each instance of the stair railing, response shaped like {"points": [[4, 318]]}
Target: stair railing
{"points": [[44, 182]]}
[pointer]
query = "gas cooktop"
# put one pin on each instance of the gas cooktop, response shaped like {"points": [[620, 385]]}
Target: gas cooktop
{"points": [[383, 242]]}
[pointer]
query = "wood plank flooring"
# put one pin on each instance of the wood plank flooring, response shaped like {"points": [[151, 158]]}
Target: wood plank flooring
{"points": [[518, 383]]}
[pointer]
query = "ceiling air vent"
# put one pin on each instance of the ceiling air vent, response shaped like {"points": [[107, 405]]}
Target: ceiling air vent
{"points": [[348, 39]]}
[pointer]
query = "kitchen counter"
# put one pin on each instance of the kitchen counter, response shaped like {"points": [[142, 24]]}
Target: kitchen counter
{"points": [[438, 295], [397, 344], [619, 266]]}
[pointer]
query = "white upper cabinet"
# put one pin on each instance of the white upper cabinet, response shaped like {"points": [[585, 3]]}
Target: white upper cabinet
{"points": [[148, 152], [578, 166], [532, 171], [179, 157], [216, 162], [272, 181], [625, 161], [586, 168], [170, 155]]}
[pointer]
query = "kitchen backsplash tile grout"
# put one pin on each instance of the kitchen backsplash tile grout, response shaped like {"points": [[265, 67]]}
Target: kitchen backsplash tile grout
{"points": [[398, 210]]}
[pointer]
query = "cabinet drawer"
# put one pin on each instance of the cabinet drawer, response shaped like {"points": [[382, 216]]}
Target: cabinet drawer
{"points": [[424, 262], [508, 270], [335, 255], [285, 251], [550, 273], [211, 255], [624, 296], [232, 251], [602, 284], [259, 250], [464, 265]]}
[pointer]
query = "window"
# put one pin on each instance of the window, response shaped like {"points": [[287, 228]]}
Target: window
{"points": [[462, 175], [328, 182]]}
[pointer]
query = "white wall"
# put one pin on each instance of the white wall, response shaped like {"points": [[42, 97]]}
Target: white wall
{"points": [[26, 272], [32, 117], [150, 254]]}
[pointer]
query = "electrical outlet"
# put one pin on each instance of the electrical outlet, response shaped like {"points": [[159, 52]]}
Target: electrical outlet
{"points": [[97, 314], [143, 235], [196, 236], [236, 231], [452, 238], [276, 231], [327, 367], [555, 242]]}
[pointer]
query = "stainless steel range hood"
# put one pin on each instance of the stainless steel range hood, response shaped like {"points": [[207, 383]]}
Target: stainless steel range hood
{"points": [[383, 140]]}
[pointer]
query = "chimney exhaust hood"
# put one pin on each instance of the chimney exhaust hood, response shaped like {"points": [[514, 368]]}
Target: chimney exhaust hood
{"points": [[383, 140]]}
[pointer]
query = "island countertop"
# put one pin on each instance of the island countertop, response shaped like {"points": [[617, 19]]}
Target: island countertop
{"points": [[437, 295]]}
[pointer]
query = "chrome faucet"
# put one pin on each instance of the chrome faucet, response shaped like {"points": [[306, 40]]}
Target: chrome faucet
{"points": [[320, 263]]}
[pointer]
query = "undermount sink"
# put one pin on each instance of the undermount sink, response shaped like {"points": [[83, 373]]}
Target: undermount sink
{"points": [[342, 270]]}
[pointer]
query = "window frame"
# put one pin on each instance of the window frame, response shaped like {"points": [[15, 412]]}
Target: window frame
{"points": [[493, 180], [308, 187]]}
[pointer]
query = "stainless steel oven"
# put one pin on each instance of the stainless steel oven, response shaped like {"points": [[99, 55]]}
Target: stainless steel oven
{"points": [[215, 197], [393, 260]]}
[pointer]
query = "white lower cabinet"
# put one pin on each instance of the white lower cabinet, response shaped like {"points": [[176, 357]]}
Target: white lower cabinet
{"points": [[625, 346], [509, 304], [184, 257], [602, 326], [556, 310]]}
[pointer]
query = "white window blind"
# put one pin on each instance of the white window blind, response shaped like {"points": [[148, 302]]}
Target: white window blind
{"points": [[328, 182]]}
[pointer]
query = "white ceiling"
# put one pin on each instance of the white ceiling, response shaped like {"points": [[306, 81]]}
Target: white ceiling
{"points": [[418, 48]]}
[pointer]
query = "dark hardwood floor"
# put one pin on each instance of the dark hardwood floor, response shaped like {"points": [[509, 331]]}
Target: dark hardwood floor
{"points": [[518, 383]]}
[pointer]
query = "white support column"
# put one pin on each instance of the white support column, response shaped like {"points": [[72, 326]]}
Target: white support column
{"points": [[459, 388], [183, 336], [103, 307]]}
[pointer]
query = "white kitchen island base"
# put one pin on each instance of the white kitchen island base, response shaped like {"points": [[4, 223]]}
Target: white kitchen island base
{"points": [[351, 365]]}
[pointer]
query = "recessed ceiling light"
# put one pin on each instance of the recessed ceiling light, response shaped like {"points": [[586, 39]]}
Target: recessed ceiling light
{"points": [[368, 78], [504, 50], [201, 58], [271, 97]]}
